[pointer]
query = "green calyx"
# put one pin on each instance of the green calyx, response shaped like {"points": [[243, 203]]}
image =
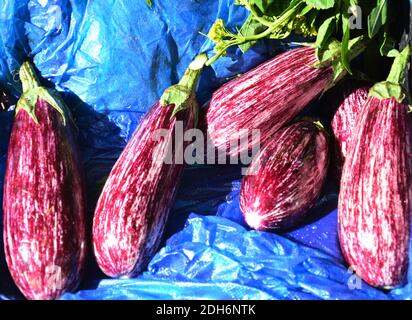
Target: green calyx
{"points": [[33, 91], [182, 95], [331, 57], [315, 121], [319, 125], [392, 87], [387, 90]]}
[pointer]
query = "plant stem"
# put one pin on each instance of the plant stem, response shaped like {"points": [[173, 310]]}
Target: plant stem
{"points": [[192, 73], [399, 66], [28, 77], [256, 17], [239, 40]]}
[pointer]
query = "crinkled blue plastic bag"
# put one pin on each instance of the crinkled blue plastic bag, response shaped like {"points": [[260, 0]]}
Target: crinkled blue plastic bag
{"points": [[214, 258], [112, 60]]}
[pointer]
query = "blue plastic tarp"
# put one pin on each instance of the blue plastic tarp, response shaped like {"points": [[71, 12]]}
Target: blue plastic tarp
{"points": [[112, 59]]}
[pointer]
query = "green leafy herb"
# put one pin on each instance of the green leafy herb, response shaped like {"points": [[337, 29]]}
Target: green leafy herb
{"points": [[377, 18], [320, 4], [280, 28], [304, 23], [267, 7], [332, 56], [149, 3], [393, 53], [345, 43], [325, 31], [387, 45], [263, 5], [249, 28]]}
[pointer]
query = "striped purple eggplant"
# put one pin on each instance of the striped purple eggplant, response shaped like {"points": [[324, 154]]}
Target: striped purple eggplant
{"points": [[346, 115], [375, 192], [44, 197], [286, 178], [134, 205], [265, 98], [344, 120], [135, 202]]}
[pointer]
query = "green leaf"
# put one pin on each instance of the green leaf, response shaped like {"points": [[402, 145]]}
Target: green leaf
{"points": [[278, 6], [325, 31], [310, 21], [331, 56], [345, 43], [249, 28], [387, 45], [313, 15], [262, 5], [320, 4], [305, 10], [304, 23], [377, 18], [393, 53], [149, 3], [270, 7]]}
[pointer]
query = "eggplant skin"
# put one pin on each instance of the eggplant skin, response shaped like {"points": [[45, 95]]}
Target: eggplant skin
{"points": [[286, 177], [345, 119], [44, 206], [375, 195], [134, 205], [265, 98]]}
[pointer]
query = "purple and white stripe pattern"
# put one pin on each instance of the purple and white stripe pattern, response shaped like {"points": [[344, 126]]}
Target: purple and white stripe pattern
{"points": [[265, 98], [44, 206], [287, 178], [135, 202], [347, 114], [375, 194]]}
